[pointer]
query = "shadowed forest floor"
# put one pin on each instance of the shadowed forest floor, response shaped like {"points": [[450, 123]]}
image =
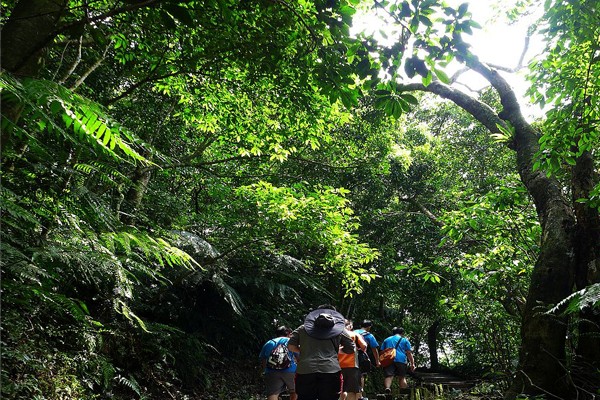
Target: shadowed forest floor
{"points": [[246, 382]]}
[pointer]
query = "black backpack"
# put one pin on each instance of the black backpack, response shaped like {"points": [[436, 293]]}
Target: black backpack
{"points": [[364, 361], [369, 352]]}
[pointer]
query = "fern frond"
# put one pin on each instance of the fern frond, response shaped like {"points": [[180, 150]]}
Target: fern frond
{"points": [[60, 302], [55, 109], [122, 308], [104, 173], [229, 294], [9, 203], [155, 249], [130, 382], [587, 297]]}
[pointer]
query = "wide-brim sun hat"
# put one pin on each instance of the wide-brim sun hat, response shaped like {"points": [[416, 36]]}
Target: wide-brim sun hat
{"points": [[324, 323]]}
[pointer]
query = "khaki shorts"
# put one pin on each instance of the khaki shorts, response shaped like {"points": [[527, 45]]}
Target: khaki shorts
{"points": [[277, 382]]}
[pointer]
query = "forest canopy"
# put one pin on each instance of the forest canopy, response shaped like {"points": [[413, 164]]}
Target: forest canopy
{"points": [[177, 170]]}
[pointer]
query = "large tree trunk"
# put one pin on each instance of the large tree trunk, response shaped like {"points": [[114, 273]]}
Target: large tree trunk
{"points": [[31, 25], [587, 256], [542, 359], [30, 28]]}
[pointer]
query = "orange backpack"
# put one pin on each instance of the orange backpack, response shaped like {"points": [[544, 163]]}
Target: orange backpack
{"points": [[387, 356]]}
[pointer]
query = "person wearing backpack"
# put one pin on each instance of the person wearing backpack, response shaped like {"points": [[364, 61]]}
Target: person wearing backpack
{"points": [[372, 346], [279, 365], [350, 365], [318, 342], [403, 356]]}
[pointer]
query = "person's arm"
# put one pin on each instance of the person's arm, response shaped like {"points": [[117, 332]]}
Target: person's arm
{"points": [[347, 343], [361, 342], [293, 344], [293, 348], [263, 356], [411, 360], [376, 355], [375, 347]]}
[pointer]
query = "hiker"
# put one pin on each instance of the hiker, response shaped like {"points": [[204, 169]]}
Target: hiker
{"points": [[372, 346], [279, 365], [349, 364], [399, 367], [318, 341]]}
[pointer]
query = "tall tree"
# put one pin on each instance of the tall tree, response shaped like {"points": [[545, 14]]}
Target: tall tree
{"points": [[565, 258]]}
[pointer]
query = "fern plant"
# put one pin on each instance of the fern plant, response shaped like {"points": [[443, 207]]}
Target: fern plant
{"points": [[68, 262]]}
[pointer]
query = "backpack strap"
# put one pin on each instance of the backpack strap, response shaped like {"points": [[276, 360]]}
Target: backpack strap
{"points": [[398, 344], [357, 344], [364, 334]]}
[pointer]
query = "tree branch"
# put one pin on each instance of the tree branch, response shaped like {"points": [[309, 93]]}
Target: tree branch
{"points": [[132, 88], [481, 111], [425, 211], [74, 64], [92, 68]]}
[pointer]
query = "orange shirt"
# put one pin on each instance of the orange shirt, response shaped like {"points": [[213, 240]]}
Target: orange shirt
{"points": [[349, 360]]}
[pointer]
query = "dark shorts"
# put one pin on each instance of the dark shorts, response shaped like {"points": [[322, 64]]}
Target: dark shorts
{"points": [[396, 369], [277, 382], [319, 386], [351, 380]]}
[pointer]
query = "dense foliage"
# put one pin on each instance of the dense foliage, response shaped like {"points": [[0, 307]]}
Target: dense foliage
{"points": [[180, 176]]}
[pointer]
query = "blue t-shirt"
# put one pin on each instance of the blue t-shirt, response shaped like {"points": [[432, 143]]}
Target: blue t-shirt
{"points": [[402, 348], [369, 338], [269, 346]]}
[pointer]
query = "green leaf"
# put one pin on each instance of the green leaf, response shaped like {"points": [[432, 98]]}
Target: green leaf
{"points": [[425, 21], [409, 67], [441, 75], [409, 98], [405, 11], [347, 11], [428, 79], [474, 24], [349, 98]]}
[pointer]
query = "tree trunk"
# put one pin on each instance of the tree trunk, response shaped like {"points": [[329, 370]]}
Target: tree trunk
{"points": [[30, 28], [432, 333], [133, 198], [587, 254], [542, 359]]}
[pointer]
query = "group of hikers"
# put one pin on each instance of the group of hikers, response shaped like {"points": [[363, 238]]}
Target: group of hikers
{"points": [[323, 358]]}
